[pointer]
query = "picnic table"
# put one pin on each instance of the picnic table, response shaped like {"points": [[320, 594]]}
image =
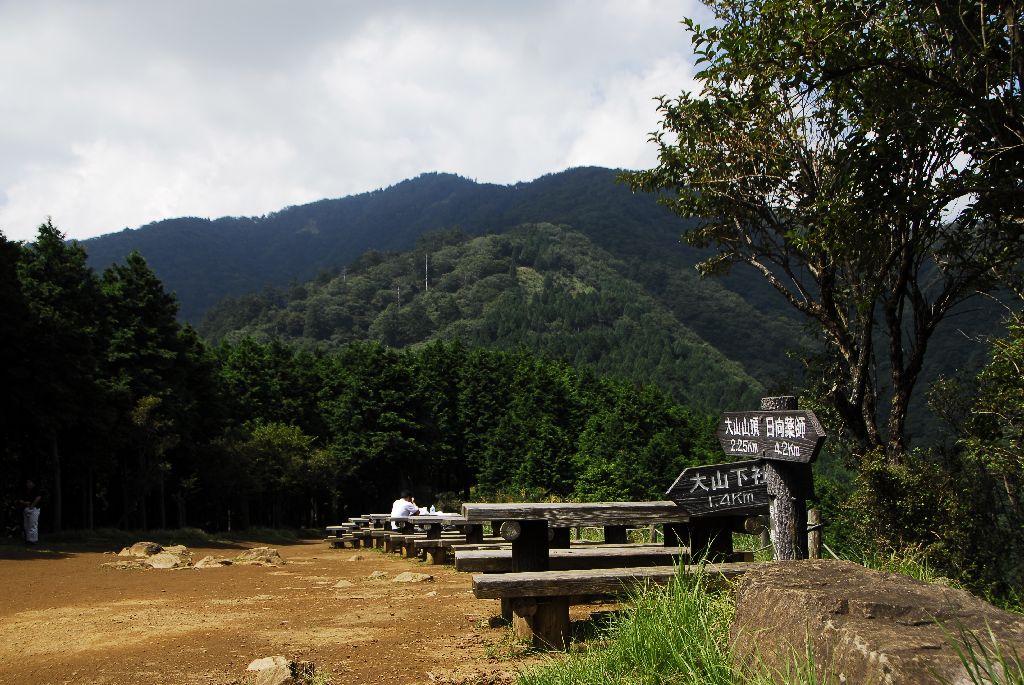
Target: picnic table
{"points": [[530, 541]]}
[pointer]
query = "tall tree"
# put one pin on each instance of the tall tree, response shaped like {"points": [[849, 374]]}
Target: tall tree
{"points": [[15, 376], [63, 296], [143, 365], [842, 193]]}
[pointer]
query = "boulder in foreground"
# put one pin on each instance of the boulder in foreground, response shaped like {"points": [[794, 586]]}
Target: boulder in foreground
{"points": [[861, 625]]}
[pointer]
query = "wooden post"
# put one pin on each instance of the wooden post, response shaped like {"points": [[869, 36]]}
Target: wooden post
{"points": [[545, 619], [530, 549], [676, 535], [474, 533], [560, 538], [788, 486], [615, 535], [814, 534], [711, 539]]}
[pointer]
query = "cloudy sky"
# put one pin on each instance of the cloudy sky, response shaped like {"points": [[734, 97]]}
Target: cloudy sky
{"points": [[115, 114]]}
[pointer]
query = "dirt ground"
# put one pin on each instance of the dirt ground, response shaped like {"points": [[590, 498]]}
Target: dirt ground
{"points": [[64, 618]]}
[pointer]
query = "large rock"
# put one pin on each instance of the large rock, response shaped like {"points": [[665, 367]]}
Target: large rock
{"points": [[277, 670], [165, 560], [260, 556], [141, 549], [213, 562], [272, 670], [862, 625]]}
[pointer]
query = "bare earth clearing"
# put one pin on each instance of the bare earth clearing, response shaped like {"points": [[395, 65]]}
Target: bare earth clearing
{"points": [[66, 619]]}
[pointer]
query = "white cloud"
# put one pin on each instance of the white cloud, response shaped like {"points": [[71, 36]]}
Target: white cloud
{"points": [[116, 114]]}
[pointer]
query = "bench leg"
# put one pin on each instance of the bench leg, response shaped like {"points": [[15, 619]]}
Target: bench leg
{"points": [[355, 543], [544, 621], [437, 555], [506, 609]]}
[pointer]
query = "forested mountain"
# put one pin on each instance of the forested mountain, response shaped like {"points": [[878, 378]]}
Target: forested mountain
{"points": [[202, 261], [739, 314], [540, 286]]}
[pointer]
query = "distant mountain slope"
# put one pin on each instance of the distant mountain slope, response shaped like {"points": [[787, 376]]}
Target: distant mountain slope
{"points": [[541, 286], [203, 261], [740, 315]]}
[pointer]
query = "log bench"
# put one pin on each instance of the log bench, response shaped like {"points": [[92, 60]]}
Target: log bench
{"points": [[540, 599]]}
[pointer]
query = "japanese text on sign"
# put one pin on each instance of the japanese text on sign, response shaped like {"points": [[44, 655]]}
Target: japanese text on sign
{"points": [[782, 435]]}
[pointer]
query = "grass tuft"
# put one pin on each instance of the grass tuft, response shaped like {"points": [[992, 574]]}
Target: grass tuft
{"points": [[986, 661]]}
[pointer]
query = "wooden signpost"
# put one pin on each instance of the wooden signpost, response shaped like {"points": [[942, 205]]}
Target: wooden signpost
{"points": [[785, 441], [722, 489], [795, 435]]}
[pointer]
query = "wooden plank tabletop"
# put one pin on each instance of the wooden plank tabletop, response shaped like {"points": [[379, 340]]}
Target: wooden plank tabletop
{"points": [[427, 519], [579, 514]]}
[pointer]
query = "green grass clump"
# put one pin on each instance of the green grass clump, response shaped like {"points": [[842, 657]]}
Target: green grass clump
{"points": [[987, 661], [677, 634]]}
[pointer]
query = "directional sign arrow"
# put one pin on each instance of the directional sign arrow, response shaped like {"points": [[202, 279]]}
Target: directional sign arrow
{"points": [[721, 489], [794, 435]]}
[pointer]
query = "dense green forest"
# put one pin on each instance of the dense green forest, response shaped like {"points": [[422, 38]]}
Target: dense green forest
{"points": [[129, 419], [544, 288]]}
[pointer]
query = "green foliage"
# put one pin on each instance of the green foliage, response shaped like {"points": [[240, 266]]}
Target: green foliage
{"points": [[987, 454], [542, 287], [835, 187], [446, 418]]}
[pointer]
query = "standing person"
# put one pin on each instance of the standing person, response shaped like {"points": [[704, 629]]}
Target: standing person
{"points": [[30, 499], [405, 505]]}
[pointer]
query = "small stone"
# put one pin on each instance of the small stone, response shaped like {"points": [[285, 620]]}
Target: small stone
{"points": [[377, 575], [213, 562], [432, 593], [410, 577], [343, 583], [357, 557]]}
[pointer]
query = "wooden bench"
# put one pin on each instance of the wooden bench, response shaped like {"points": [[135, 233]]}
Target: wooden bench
{"points": [[540, 599], [337, 536]]}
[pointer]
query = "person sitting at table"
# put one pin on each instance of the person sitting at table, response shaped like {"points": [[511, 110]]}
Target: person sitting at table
{"points": [[404, 506]]}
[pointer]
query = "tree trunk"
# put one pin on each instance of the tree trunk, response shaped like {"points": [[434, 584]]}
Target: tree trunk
{"points": [[788, 486], [163, 504], [90, 503], [57, 501]]}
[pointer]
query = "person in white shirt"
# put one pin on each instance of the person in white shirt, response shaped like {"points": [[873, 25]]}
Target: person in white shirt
{"points": [[404, 506]]}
